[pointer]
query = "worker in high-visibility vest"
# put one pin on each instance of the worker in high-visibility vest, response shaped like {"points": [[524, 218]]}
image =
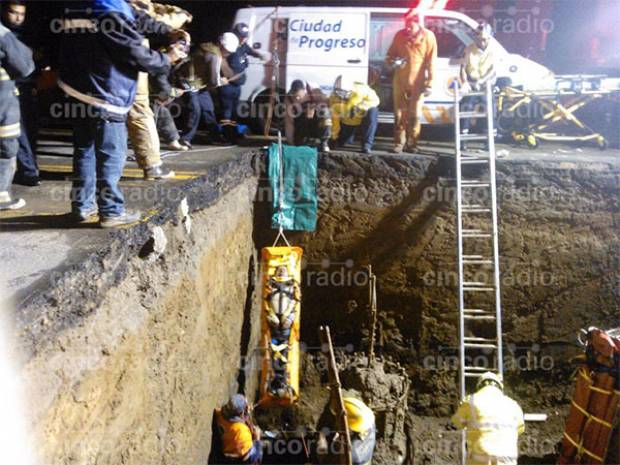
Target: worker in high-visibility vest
{"points": [[493, 423], [412, 55], [362, 429], [362, 432], [478, 69], [354, 105], [240, 439]]}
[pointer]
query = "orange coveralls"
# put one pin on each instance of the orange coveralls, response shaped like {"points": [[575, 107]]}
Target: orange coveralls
{"points": [[410, 81]]}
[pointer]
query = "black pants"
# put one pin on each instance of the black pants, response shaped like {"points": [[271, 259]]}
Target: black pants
{"points": [[229, 99], [199, 107], [316, 127]]}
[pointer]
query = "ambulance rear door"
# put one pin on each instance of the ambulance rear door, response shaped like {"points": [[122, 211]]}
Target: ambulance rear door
{"points": [[324, 43]]}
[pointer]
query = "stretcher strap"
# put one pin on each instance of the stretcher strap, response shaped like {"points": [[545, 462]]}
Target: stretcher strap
{"points": [[581, 449], [584, 375], [589, 416]]}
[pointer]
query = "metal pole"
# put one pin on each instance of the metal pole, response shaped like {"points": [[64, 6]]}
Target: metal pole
{"points": [[496, 271], [459, 233]]}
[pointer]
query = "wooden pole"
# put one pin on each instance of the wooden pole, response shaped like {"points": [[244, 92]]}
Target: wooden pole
{"points": [[336, 403]]}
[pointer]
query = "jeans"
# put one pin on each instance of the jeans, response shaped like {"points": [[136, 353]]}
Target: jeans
{"points": [[26, 155], [229, 98], [100, 151], [368, 130], [199, 106], [8, 152]]}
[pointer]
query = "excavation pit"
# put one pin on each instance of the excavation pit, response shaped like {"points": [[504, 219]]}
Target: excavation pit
{"points": [[126, 356]]}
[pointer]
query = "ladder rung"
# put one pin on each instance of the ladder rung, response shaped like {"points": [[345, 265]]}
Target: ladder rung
{"points": [[478, 289], [474, 161], [477, 311], [475, 184], [476, 258], [476, 233], [478, 339], [476, 345], [475, 210], [479, 317], [472, 114], [475, 283], [482, 369], [472, 375], [474, 137]]}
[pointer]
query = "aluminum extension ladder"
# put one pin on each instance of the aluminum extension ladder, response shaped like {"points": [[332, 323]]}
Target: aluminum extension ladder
{"points": [[480, 311]]}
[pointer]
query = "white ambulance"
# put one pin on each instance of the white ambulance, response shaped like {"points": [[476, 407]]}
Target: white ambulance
{"points": [[317, 44]]}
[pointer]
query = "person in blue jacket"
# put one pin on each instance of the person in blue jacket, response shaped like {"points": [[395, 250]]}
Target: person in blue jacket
{"points": [[101, 55], [15, 63]]}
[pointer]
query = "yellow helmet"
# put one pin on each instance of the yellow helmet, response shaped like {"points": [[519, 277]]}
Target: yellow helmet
{"points": [[359, 417], [490, 378]]}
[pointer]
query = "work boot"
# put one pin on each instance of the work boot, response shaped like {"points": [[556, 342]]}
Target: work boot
{"points": [[28, 181], [176, 145], [325, 147], [398, 148], [84, 216], [411, 148], [8, 203], [126, 219], [158, 172], [185, 143], [366, 150]]}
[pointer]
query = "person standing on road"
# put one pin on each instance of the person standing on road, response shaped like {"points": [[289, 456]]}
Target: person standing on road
{"points": [[14, 18], [412, 55], [15, 63], [493, 423], [238, 64], [141, 119], [102, 53], [201, 75]]}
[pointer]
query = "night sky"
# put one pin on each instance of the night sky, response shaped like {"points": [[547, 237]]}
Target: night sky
{"points": [[579, 26]]}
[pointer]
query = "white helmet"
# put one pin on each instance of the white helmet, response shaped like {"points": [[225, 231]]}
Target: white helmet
{"points": [[229, 41], [490, 378]]}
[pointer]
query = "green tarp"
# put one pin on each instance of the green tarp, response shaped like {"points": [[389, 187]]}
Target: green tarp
{"points": [[299, 201]]}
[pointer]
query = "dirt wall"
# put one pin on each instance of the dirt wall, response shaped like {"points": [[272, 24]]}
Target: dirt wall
{"points": [[136, 379]]}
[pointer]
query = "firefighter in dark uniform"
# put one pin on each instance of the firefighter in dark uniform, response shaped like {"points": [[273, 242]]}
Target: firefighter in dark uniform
{"points": [[237, 65], [15, 63]]}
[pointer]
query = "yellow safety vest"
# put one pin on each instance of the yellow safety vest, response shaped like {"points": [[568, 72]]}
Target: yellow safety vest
{"points": [[493, 423]]}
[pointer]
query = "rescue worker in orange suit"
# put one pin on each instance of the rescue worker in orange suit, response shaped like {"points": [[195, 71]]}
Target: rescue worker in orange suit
{"points": [[239, 438], [412, 55], [493, 422]]}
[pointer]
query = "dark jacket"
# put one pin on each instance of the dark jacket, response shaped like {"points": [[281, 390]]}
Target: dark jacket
{"points": [[15, 63], [102, 53], [238, 62]]}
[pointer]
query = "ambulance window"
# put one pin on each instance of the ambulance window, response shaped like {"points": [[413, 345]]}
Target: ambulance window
{"points": [[452, 35], [383, 28]]}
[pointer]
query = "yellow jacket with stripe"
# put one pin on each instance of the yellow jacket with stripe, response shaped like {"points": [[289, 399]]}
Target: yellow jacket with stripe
{"points": [[15, 62], [493, 423], [352, 110]]}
